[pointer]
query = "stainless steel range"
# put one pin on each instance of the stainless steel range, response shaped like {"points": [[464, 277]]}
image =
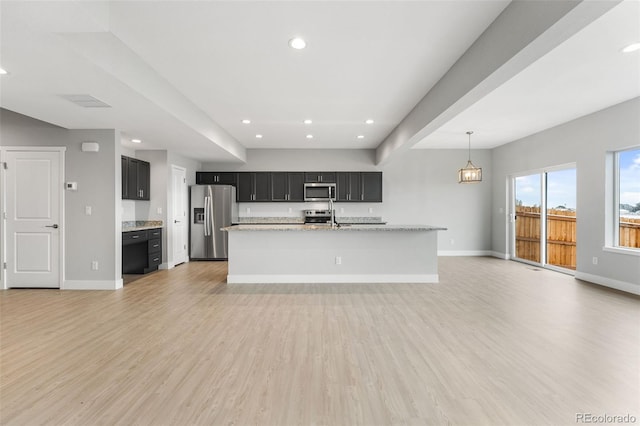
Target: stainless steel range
{"points": [[317, 216]]}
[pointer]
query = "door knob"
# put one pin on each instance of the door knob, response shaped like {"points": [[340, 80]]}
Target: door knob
{"points": [[54, 226], [176, 221]]}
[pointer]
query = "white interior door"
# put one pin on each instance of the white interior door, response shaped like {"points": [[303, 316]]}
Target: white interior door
{"points": [[179, 231], [33, 188]]}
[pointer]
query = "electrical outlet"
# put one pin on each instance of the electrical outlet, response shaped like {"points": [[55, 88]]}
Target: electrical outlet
{"points": [[94, 265], [341, 209], [248, 210], [290, 210], [594, 260], [452, 241], [370, 209], [338, 260], [88, 210], [159, 210]]}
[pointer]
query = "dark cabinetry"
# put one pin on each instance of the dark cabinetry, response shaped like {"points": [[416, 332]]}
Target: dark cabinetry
{"points": [[371, 186], [287, 186], [254, 186], [324, 177], [141, 251], [216, 178], [348, 186], [135, 179], [359, 186]]}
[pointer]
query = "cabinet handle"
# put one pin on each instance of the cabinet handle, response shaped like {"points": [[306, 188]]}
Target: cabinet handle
{"points": [[156, 259], [135, 236]]}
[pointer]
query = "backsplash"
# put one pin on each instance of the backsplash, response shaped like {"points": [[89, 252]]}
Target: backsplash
{"points": [[295, 210]]}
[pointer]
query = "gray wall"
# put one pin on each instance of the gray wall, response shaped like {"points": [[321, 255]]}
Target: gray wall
{"points": [[87, 238], [586, 142], [419, 186]]}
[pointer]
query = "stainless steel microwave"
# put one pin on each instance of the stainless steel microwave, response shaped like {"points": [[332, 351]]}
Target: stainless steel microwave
{"points": [[319, 191]]}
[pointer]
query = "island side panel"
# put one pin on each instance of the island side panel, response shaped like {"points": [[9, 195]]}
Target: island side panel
{"points": [[310, 256]]}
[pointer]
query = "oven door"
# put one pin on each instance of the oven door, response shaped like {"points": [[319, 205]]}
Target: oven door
{"points": [[319, 191]]}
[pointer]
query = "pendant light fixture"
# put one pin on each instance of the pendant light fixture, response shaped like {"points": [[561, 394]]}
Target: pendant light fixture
{"points": [[470, 173]]}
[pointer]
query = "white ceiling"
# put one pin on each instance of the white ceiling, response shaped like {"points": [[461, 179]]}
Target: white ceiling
{"points": [[182, 75], [586, 73]]}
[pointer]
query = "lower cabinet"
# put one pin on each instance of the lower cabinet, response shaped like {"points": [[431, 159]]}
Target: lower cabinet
{"points": [[141, 251]]}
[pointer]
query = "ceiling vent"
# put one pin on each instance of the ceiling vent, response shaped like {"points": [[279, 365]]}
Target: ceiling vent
{"points": [[86, 101]]}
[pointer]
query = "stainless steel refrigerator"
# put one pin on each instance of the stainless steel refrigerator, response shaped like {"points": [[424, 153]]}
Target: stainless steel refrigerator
{"points": [[212, 207]]}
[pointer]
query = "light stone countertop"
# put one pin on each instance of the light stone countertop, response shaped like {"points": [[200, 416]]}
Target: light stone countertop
{"points": [[358, 227], [141, 225]]}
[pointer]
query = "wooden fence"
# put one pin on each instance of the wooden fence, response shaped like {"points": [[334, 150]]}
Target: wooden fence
{"points": [[561, 235]]}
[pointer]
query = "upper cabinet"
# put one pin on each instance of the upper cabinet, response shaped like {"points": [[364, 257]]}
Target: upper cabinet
{"points": [[348, 186], [216, 178], [324, 177], [136, 179], [287, 186], [359, 187], [254, 186], [371, 186]]}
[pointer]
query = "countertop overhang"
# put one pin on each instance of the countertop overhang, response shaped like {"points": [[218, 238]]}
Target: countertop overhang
{"points": [[341, 228]]}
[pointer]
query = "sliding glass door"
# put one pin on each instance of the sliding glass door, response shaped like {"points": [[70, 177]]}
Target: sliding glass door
{"points": [[561, 218], [528, 199], [544, 211]]}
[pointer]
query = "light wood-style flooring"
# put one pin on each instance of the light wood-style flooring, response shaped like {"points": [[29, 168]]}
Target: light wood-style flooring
{"points": [[495, 342]]}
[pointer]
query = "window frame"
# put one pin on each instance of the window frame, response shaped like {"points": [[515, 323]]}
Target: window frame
{"points": [[615, 234]]}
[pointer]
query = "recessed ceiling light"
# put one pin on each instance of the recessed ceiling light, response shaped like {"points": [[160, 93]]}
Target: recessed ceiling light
{"points": [[308, 121], [309, 136], [136, 141], [369, 121], [631, 48], [259, 136], [360, 136], [245, 121], [3, 71], [297, 43]]}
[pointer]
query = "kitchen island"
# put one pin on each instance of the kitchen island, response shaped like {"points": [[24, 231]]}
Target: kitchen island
{"points": [[322, 254]]}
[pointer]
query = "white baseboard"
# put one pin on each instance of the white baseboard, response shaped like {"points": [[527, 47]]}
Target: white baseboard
{"points": [[170, 265], [92, 284], [465, 253], [609, 282], [504, 256], [321, 278]]}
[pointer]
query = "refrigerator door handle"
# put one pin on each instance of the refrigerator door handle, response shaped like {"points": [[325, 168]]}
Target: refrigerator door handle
{"points": [[207, 214]]}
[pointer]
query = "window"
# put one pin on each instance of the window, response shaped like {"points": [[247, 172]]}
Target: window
{"points": [[627, 198]]}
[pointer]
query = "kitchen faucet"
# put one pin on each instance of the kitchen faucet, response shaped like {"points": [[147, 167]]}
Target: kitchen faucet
{"points": [[333, 213]]}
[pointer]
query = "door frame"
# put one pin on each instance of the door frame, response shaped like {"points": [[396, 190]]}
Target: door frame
{"points": [[543, 215], [61, 150], [171, 218]]}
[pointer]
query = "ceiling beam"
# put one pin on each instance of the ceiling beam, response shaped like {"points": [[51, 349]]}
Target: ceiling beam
{"points": [[108, 52], [524, 32]]}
